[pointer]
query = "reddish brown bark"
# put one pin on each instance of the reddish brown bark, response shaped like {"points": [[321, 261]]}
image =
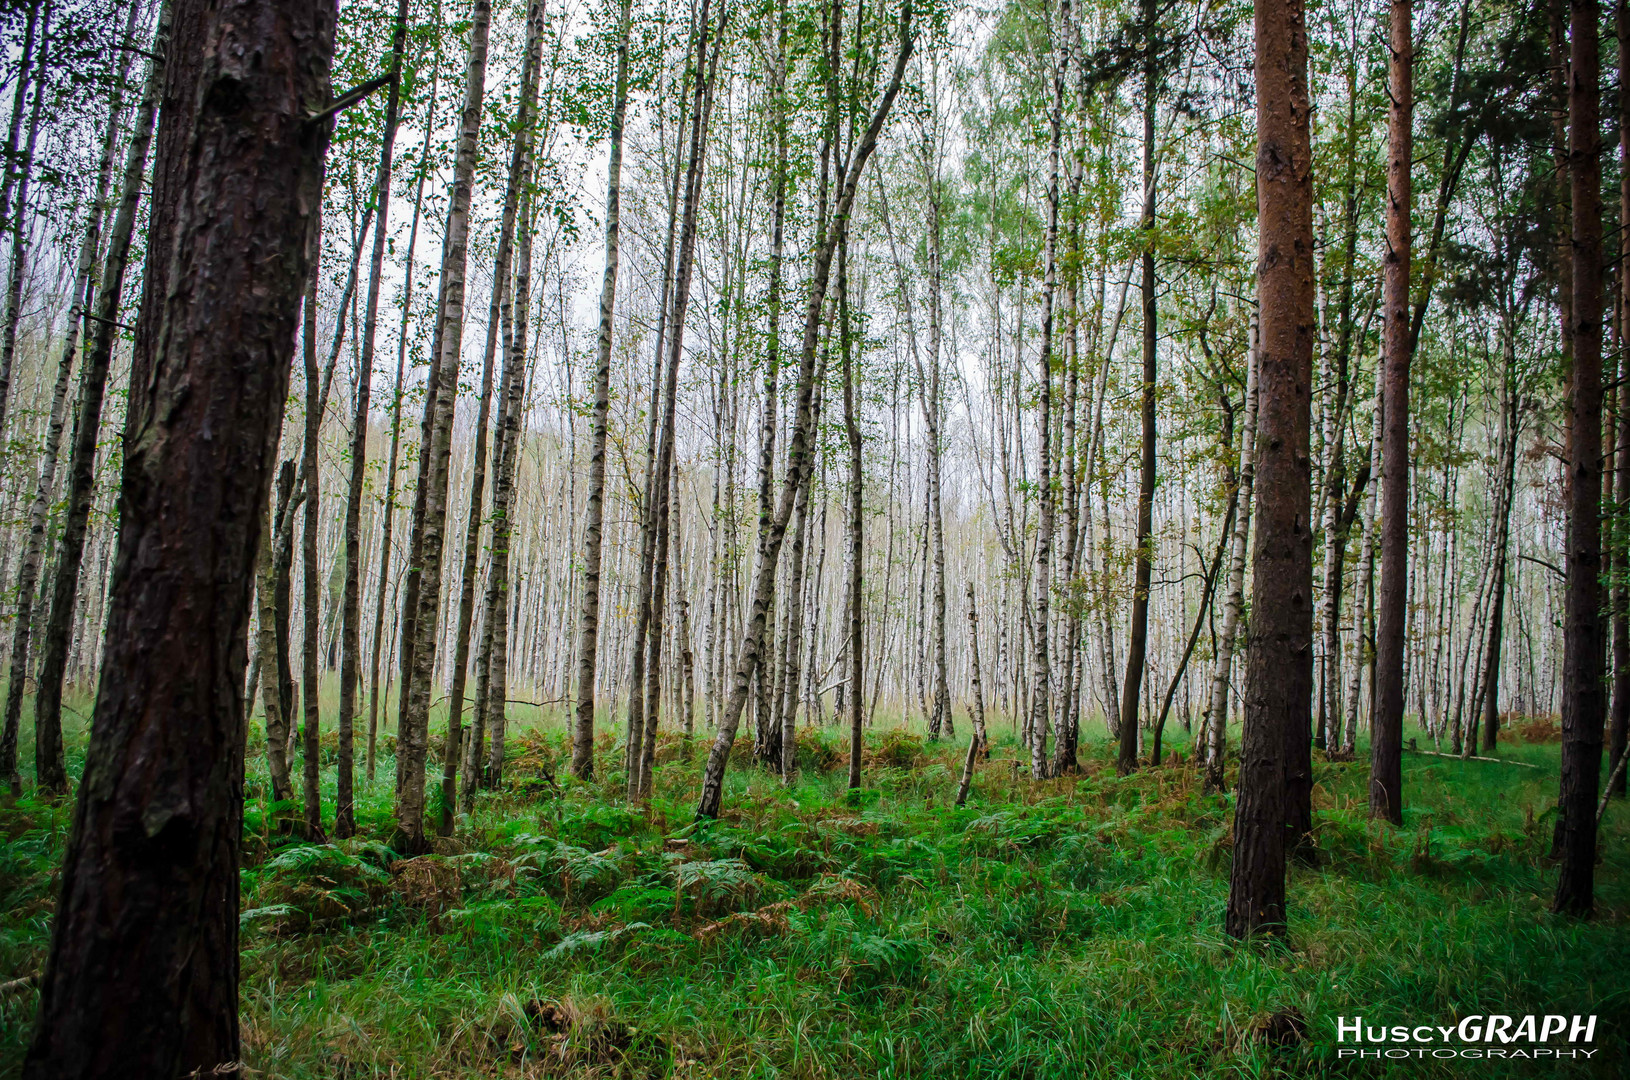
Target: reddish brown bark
{"points": [[142, 976], [1582, 697], [1279, 662]]}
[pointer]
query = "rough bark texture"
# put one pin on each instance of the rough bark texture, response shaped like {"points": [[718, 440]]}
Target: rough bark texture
{"points": [[1387, 726], [1279, 660], [142, 976], [1582, 697]]}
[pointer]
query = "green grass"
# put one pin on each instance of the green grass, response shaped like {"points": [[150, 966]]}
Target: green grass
{"points": [[1070, 928]]}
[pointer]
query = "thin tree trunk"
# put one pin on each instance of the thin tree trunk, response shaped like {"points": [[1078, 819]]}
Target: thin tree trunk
{"points": [[386, 578], [588, 646], [435, 461], [1387, 727], [980, 736], [643, 721], [93, 375], [1041, 701], [854, 614], [142, 978], [1138, 632], [798, 450], [310, 576], [1216, 741], [351, 603], [498, 311], [45, 485], [18, 210]]}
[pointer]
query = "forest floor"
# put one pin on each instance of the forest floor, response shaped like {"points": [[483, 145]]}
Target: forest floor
{"points": [[1070, 928]]}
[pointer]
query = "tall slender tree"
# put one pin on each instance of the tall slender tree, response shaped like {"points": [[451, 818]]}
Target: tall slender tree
{"points": [[1387, 729], [588, 637], [1582, 697], [1279, 658]]}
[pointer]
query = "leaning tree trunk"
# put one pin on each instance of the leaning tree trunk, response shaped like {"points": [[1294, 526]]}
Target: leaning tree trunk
{"points": [[143, 970], [799, 448], [351, 601], [1387, 726], [1216, 741], [93, 377], [588, 636], [1582, 697], [643, 716], [435, 463], [1279, 658]]}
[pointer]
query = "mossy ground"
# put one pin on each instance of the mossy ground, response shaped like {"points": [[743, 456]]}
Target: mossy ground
{"points": [[1069, 928]]}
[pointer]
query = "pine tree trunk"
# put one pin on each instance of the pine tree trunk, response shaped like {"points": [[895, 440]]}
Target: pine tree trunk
{"points": [[142, 977], [413, 735], [1619, 729], [1279, 658], [1387, 727], [1582, 697]]}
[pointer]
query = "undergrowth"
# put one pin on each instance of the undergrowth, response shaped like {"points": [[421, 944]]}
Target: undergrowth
{"points": [[1067, 928]]}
